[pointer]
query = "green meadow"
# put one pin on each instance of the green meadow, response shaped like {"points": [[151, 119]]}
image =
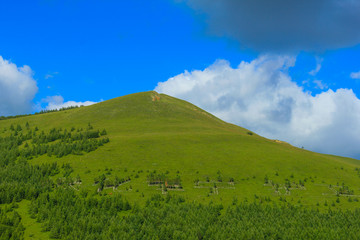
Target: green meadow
{"points": [[162, 145]]}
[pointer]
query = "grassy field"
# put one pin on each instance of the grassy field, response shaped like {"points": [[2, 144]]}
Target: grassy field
{"points": [[216, 161]]}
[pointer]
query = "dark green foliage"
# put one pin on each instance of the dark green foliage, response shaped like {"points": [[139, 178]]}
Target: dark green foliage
{"points": [[57, 142], [24, 181], [10, 225], [103, 181], [266, 180], [67, 169], [163, 179], [61, 143], [18, 179], [21, 180], [103, 132], [345, 190], [69, 216]]}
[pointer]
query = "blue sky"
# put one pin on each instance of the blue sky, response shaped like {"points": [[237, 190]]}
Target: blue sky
{"points": [[109, 48], [91, 50]]}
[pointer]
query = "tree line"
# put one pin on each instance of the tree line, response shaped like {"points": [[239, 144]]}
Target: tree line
{"points": [[41, 112], [68, 215], [31, 143]]}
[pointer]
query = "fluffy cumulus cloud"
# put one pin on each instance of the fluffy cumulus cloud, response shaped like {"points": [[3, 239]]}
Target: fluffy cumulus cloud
{"points": [[288, 25], [57, 102], [260, 95], [17, 88]]}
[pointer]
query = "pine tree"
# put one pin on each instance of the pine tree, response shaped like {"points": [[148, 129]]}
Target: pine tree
{"points": [[103, 132]]}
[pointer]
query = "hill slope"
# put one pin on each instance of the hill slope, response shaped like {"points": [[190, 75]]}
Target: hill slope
{"points": [[155, 138]]}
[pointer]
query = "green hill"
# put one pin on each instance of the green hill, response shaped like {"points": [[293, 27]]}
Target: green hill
{"points": [[150, 131], [160, 144]]}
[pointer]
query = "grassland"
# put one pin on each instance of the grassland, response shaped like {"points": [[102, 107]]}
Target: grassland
{"points": [[216, 161]]}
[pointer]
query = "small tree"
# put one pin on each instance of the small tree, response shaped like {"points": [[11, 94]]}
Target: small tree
{"points": [[266, 180]]}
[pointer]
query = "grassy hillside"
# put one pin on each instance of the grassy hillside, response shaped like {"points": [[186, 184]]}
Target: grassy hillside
{"points": [[215, 161]]}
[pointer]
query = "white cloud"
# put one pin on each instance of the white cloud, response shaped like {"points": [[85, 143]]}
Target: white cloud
{"points": [[51, 75], [319, 84], [318, 67], [57, 102], [261, 96], [355, 75], [47, 76], [17, 88]]}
